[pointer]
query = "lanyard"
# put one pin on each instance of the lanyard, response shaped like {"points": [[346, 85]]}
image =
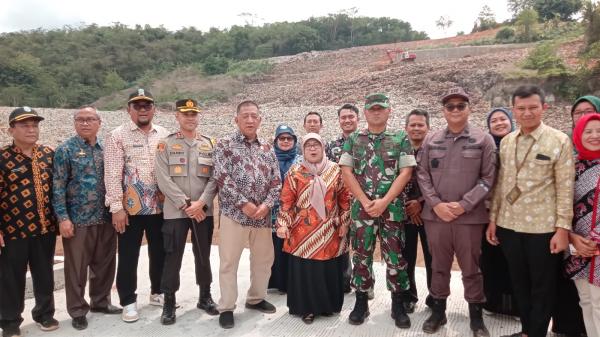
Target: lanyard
{"points": [[522, 163]]}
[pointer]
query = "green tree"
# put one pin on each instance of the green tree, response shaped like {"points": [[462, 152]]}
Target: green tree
{"points": [[563, 9], [526, 23], [444, 23], [113, 82], [591, 19], [517, 6], [485, 20]]}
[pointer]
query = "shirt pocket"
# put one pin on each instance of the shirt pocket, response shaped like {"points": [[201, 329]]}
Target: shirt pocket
{"points": [[436, 159], [205, 167], [471, 159], [390, 163], [178, 166]]}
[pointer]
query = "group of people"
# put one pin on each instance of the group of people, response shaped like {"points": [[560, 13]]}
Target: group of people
{"points": [[516, 206]]}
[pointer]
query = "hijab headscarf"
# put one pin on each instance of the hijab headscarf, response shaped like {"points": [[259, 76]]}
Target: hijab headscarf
{"points": [[285, 158], [318, 187], [508, 114], [583, 153], [593, 100]]}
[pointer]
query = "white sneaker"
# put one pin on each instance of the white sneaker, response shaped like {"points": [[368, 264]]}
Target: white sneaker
{"points": [[130, 313], [157, 300]]}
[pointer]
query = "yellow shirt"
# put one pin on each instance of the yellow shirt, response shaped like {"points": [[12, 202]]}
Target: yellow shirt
{"points": [[545, 182]]}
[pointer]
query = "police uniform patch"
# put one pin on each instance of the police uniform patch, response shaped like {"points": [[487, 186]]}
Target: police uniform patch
{"points": [[177, 147], [204, 147], [205, 170], [178, 169], [161, 147]]}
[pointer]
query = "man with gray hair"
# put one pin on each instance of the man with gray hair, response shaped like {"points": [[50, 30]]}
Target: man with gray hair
{"points": [[247, 174], [89, 240]]}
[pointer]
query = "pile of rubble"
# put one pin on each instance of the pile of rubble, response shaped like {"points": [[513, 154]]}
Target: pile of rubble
{"points": [[323, 81]]}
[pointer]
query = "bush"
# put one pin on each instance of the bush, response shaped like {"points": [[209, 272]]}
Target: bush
{"points": [[214, 65], [545, 60], [506, 33], [249, 68]]}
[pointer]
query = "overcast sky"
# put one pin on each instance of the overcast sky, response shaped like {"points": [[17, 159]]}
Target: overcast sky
{"points": [[173, 14]]}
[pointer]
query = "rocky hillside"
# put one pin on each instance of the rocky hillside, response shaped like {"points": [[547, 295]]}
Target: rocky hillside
{"points": [[323, 81]]}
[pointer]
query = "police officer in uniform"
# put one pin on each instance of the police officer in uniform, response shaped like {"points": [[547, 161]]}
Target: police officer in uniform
{"points": [[184, 171]]}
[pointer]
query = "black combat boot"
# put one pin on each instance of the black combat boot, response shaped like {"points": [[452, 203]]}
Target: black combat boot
{"points": [[206, 303], [437, 317], [168, 314], [361, 308], [477, 325], [398, 312]]}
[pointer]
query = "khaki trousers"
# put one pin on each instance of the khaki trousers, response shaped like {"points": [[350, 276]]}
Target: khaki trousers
{"points": [[232, 240], [93, 247]]}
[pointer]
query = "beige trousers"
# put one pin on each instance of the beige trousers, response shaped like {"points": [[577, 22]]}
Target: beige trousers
{"points": [[589, 301], [232, 240]]}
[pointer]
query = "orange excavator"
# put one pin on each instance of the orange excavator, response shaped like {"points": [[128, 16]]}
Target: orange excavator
{"points": [[401, 55]]}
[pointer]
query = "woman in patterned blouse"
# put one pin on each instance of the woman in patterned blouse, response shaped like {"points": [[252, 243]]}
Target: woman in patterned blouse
{"points": [[313, 221], [583, 265]]}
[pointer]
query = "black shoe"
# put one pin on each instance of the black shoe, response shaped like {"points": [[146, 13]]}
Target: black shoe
{"points": [[399, 315], [429, 301], [437, 318], [206, 303], [49, 324], [361, 308], [409, 307], [476, 318], [11, 331], [108, 310], [262, 306], [226, 320], [168, 316], [308, 319], [79, 323]]}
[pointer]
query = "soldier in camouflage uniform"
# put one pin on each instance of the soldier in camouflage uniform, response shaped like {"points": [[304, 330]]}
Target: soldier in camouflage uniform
{"points": [[376, 165]]}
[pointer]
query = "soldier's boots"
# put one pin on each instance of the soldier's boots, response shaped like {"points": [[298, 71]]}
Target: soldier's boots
{"points": [[398, 312], [206, 303], [476, 317], [168, 313], [437, 318], [361, 308]]}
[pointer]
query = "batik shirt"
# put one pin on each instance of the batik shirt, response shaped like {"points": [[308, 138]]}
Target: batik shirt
{"points": [[376, 160], [246, 171], [25, 190], [78, 191], [129, 170]]}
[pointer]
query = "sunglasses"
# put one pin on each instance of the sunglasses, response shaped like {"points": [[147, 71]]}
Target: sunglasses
{"points": [[143, 106], [286, 139], [459, 106]]}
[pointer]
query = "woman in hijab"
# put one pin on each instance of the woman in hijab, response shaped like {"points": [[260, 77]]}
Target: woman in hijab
{"points": [[584, 105], [313, 221], [285, 150], [583, 264], [496, 280]]}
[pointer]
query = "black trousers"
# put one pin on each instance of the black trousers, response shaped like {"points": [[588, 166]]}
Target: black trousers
{"points": [[37, 253], [413, 232], [533, 272], [129, 244], [175, 232]]}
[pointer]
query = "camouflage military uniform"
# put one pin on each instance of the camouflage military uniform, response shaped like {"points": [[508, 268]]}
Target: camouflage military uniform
{"points": [[334, 149], [377, 160]]}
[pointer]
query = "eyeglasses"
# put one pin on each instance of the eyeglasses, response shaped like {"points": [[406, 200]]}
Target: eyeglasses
{"points": [[584, 112], [143, 106], [86, 120], [286, 139], [312, 145], [460, 106]]}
